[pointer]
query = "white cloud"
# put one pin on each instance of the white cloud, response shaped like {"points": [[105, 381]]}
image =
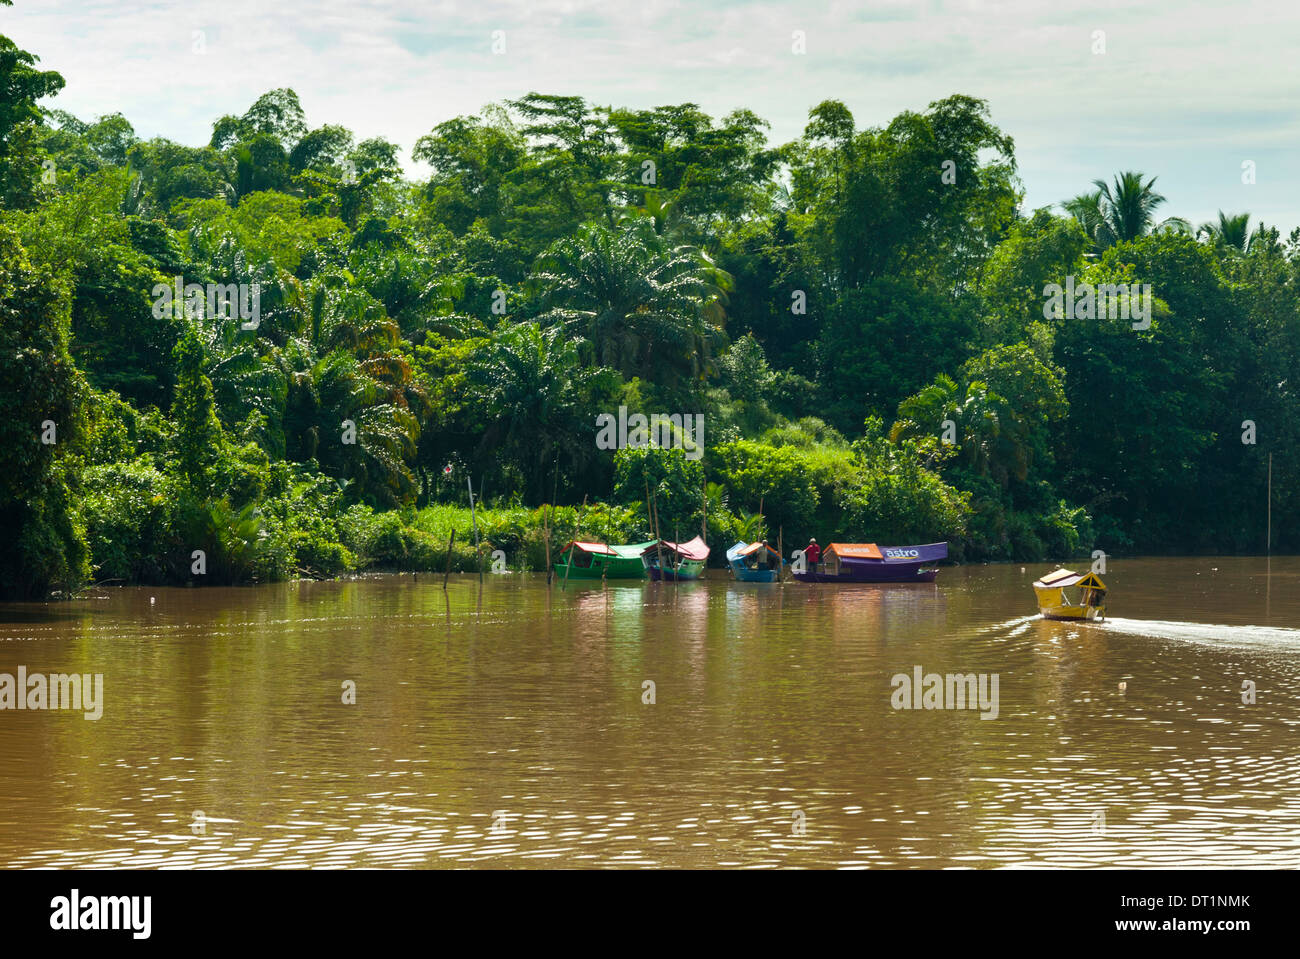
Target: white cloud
{"points": [[1185, 90]]}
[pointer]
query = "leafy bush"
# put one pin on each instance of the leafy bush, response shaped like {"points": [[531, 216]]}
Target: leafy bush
{"points": [[131, 512], [675, 483], [781, 479], [902, 502], [303, 534]]}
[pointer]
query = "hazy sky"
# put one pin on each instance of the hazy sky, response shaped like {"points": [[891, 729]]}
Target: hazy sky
{"points": [[1187, 90]]}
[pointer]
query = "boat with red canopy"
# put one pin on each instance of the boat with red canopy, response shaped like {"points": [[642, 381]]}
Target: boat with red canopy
{"points": [[681, 561]]}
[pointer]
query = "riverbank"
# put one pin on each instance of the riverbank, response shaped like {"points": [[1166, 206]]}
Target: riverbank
{"points": [[162, 542]]}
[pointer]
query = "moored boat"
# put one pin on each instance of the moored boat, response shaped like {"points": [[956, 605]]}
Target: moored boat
{"points": [[754, 562], [581, 560], [1065, 594], [681, 561], [869, 563]]}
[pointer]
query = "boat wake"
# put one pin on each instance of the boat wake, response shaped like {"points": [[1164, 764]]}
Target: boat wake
{"points": [[1018, 625], [1270, 637]]}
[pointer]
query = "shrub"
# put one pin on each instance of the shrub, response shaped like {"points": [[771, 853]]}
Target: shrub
{"points": [[131, 514], [779, 478]]}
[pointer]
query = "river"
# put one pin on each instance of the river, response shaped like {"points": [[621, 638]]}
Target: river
{"points": [[508, 725]]}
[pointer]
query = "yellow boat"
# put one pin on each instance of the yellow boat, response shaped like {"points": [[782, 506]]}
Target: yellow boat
{"points": [[1065, 594]]}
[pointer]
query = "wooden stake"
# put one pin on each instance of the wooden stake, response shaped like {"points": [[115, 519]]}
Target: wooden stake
{"points": [[677, 538], [546, 540], [550, 519], [447, 572], [659, 549], [478, 553], [649, 517], [569, 564]]}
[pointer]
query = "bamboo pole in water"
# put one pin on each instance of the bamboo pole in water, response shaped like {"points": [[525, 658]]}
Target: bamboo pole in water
{"points": [[447, 572], [659, 548], [780, 559], [550, 520], [576, 530], [546, 540], [649, 517], [478, 555], [652, 514]]}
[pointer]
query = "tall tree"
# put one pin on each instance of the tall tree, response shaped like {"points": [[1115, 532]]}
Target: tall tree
{"points": [[40, 421], [1121, 212], [638, 302], [21, 86], [1231, 229]]}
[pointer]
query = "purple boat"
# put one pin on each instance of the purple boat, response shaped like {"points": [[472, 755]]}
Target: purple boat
{"points": [[869, 563]]}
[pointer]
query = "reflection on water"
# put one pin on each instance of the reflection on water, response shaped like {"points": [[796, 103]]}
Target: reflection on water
{"points": [[505, 725]]}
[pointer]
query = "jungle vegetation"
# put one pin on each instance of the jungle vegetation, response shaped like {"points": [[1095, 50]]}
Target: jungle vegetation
{"points": [[859, 316]]}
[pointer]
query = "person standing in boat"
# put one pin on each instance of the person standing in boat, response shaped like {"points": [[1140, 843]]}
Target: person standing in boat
{"points": [[812, 553]]}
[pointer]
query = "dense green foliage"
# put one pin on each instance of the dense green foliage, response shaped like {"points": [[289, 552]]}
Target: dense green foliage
{"points": [[859, 316]]}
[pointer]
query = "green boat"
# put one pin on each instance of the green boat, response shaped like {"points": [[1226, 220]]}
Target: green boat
{"points": [[682, 561], [599, 560]]}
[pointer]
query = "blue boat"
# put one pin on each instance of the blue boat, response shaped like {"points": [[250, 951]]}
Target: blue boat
{"points": [[754, 562]]}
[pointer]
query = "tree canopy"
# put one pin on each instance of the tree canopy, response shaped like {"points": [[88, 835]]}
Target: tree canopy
{"points": [[859, 316]]}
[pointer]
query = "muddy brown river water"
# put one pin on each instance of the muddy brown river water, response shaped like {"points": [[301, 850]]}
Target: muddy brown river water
{"points": [[509, 725]]}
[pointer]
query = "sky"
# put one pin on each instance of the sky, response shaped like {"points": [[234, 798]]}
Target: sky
{"points": [[1186, 91]]}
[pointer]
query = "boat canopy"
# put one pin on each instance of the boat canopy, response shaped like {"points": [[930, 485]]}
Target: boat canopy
{"points": [[855, 550], [1061, 578], [598, 548], [742, 550], [632, 551], [870, 552], [692, 549]]}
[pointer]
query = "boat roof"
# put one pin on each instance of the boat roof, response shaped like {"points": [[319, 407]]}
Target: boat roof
{"points": [[630, 551], [855, 550], [748, 549], [871, 553], [1061, 578], [692, 549]]}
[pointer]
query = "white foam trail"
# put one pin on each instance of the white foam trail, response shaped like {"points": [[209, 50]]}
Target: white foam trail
{"points": [[1272, 637], [1018, 621]]}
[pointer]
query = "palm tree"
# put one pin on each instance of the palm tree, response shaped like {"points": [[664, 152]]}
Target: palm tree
{"points": [[1232, 230], [1086, 209], [975, 413], [1266, 240], [247, 386], [531, 382], [717, 497], [752, 527], [663, 212], [641, 303], [1119, 212], [375, 396], [338, 316], [1129, 209]]}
